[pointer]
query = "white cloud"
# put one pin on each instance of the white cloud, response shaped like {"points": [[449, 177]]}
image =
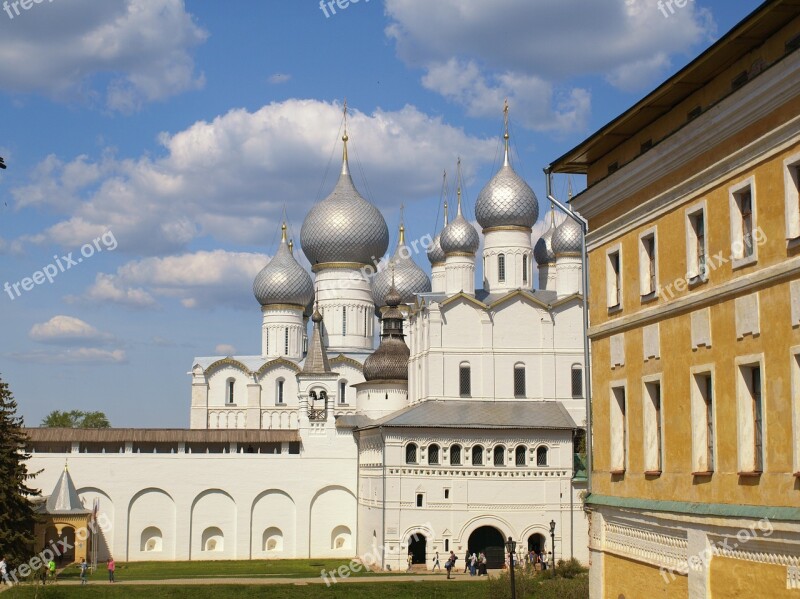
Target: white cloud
{"points": [[80, 355], [199, 280], [64, 49], [230, 178], [475, 53], [67, 330], [225, 349], [277, 78]]}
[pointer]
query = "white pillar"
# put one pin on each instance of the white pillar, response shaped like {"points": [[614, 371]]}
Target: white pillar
{"points": [[514, 245], [547, 276], [568, 274], [438, 277], [282, 325], [346, 288], [460, 274]]}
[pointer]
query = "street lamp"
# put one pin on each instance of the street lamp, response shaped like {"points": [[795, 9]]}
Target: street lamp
{"points": [[511, 545], [553, 543]]}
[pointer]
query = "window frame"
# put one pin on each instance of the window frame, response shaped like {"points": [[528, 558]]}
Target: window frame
{"points": [[525, 261], [653, 424], [619, 462], [579, 369], [408, 448], [460, 452], [462, 367], [343, 392], [543, 450], [695, 271], [794, 356], [520, 367], [791, 192], [614, 282], [499, 450], [751, 462], [736, 193], [703, 415], [648, 264], [501, 268], [523, 450], [482, 450], [437, 449], [230, 391], [280, 386]]}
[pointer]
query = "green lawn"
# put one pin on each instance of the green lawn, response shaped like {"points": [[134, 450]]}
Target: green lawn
{"points": [[289, 568], [383, 590]]}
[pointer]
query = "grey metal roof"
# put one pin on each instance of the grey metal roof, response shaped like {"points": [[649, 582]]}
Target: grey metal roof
{"points": [[283, 280], [481, 414], [64, 499], [317, 358], [506, 200], [544, 295]]}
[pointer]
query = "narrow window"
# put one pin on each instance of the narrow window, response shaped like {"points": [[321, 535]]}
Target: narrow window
{"points": [[743, 220], [746, 210], [521, 455], [419, 499], [751, 420], [708, 400], [433, 455], [464, 380], [791, 179], [541, 456], [366, 332], [286, 341], [652, 432], [499, 456], [230, 389], [344, 320], [647, 265], [446, 496], [758, 421], [619, 433], [577, 381], [455, 455], [519, 380], [266, 337], [614, 280], [447, 545], [280, 390], [501, 268], [525, 268], [411, 453], [342, 391], [477, 455], [696, 250]]}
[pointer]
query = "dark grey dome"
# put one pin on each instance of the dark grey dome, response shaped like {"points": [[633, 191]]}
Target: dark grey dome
{"points": [[506, 200], [283, 280], [459, 236], [390, 360], [409, 279], [543, 250], [567, 238], [344, 227], [435, 251]]}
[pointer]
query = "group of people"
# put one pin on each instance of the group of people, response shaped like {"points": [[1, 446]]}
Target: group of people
{"points": [[475, 563], [50, 572], [538, 558]]}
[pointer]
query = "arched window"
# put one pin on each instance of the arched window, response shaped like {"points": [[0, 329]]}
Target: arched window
{"points": [[279, 392], [541, 456], [433, 454], [272, 539], [230, 387], [501, 267], [342, 391], [213, 539], [577, 380], [521, 456], [344, 320], [519, 380], [525, 268], [286, 341], [151, 539], [464, 380], [500, 455], [411, 453], [477, 455], [455, 455], [366, 331]]}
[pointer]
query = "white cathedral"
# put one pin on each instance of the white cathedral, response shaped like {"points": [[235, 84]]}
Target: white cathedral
{"points": [[460, 430]]}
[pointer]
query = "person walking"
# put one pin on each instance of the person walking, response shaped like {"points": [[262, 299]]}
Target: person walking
{"points": [[482, 564], [111, 567], [410, 561], [4, 571], [450, 563], [473, 564], [84, 571], [436, 563], [51, 567], [466, 561]]}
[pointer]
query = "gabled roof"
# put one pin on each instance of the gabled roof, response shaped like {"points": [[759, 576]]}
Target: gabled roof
{"points": [[477, 413], [64, 499]]}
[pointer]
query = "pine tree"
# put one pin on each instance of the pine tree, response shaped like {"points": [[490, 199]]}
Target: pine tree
{"points": [[17, 517]]}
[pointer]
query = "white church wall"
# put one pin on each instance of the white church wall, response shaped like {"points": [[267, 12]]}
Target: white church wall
{"points": [[105, 540], [213, 527], [333, 523], [150, 526], [274, 525]]}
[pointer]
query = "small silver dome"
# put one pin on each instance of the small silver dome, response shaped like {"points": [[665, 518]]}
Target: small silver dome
{"points": [[409, 279], [506, 200], [283, 280], [435, 251], [459, 236], [344, 227], [567, 238], [543, 250]]}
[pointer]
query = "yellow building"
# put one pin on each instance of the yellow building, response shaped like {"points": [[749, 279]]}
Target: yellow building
{"points": [[693, 203]]}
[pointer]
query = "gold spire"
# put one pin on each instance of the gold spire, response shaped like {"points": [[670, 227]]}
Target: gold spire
{"points": [[505, 135], [445, 213], [283, 232], [345, 169], [458, 181], [291, 246], [569, 187]]}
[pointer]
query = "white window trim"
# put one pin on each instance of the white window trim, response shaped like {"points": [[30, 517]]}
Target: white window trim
{"points": [[737, 242], [278, 397], [648, 412], [644, 265], [614, 464], [611, 292], [794, 353], [745, 425], [791, 186], [698, 415], [693, 273]]}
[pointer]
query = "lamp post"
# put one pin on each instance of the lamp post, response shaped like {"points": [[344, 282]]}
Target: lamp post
{"points": [[511, 545], [553, 543]]}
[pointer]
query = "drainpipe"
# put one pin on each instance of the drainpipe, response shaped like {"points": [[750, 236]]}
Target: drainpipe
{"points": [[383, 503], [587, 378]]}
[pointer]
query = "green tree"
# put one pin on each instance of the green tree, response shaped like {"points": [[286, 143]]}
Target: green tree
{"points": [[75, 419], [17, 517]]}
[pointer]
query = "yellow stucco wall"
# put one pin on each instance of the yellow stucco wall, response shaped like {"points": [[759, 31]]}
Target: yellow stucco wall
{"points": [[628, 579], [738, 579]]}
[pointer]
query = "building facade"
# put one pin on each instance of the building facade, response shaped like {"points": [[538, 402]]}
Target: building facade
{"points": [[692, 203]]}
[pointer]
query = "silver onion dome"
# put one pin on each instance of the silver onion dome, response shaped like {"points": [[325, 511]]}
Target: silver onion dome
{"points": [[390, 360], [506, 200], [409, 279], [283, 280], [459, 236], [344, 227], [567, 238], [435, 251], [543, 250]]}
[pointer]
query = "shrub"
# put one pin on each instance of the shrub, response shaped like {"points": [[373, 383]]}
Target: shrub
{"points": [[570, 582]]}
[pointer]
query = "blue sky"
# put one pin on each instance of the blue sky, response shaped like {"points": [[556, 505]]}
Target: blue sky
{"points": [[176, 133]]}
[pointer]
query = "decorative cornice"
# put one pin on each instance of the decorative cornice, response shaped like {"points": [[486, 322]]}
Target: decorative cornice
{"points": [[567, 255], [519, 228], [458, 254], [269, 307], [338, 266], [227, 362], [275, 363], [342, 359]]}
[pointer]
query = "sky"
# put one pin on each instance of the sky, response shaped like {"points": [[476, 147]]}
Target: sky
{"points": [[154, 146]]}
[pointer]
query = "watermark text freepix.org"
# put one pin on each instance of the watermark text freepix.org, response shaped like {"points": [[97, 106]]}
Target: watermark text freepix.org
{"points": [[17, 4], [61, 264], [330, 5]]}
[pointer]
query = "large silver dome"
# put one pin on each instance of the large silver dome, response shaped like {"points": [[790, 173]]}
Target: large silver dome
{"points": [[506, 200], [459, 236], [283, 280], [567, 238], [344, 227], [409, 278]]}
